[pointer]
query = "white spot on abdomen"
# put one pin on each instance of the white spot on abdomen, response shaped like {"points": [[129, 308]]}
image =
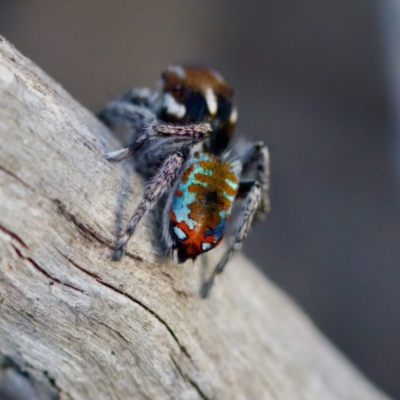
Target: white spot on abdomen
{"points": [[179, 233], [205, 246]]}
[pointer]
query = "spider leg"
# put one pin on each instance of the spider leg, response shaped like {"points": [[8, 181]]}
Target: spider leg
{"points": [[135, 105], [250, 206], [262, 176], [141, 97], [123, 113], [186, 133], [256, 160], [153, 192], [192, 133]]}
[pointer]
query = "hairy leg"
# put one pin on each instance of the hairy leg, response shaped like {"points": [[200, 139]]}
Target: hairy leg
{"points": [[153, 192], [251, 205], [182, 133], [256, 161]]}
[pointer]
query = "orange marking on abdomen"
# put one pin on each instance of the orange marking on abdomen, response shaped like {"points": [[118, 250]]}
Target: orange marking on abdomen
{"points": [[186, 174], [195, 237]]}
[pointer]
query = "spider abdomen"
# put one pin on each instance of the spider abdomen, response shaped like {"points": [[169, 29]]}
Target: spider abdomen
{"points": [[202, 204]]}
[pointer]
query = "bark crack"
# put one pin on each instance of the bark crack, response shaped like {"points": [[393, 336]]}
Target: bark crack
{"points": [[45, 273], [188, 379], [13, 236], [80, 225], [14, 176], [133, 299], [88, 232]]}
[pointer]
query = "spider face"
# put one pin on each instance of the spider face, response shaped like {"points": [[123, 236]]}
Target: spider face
{"points": [[192, 95], [193, 109]]}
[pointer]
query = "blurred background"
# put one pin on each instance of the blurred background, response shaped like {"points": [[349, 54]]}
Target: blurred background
{"points": [[318, 81]]}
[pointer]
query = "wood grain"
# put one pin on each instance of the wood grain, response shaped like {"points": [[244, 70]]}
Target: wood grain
{"points": [[78, 326]]}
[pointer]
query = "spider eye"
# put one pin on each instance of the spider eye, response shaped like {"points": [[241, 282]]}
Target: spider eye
{"points": [[177, 90]]}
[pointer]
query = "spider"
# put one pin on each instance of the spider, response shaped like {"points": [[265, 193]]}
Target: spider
{"points": [[182, 144]]}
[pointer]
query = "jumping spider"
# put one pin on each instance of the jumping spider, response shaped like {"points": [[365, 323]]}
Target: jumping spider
{"points": [[181, 142]]}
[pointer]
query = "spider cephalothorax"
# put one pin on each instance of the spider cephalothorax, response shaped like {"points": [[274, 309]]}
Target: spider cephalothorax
{"points": [[193, 95], [181, 140]]}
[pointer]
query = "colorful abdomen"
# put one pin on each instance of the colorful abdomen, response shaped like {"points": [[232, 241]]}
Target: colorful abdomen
{"points": [[202, 204]]}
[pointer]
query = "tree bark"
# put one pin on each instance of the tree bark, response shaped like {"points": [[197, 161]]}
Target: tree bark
{"points": [[74, 325]]}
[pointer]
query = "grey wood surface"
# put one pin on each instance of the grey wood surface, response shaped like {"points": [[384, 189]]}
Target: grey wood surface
{"points": [[77, 326]]}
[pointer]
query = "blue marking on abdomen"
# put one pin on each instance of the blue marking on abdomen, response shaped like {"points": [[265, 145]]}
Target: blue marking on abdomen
{"points": [[180, 204]]}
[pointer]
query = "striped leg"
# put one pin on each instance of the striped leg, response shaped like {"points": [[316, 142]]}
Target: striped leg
{"points": [[251, 205], [262, 176], [189, 133], [153, 192], [257, 159]]}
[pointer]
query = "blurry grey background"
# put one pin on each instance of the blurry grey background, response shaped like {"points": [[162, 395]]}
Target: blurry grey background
{"points": [[312, 79]]}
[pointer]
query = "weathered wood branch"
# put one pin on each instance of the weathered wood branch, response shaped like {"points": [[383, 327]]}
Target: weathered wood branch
{"points": [[77, 326]]}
